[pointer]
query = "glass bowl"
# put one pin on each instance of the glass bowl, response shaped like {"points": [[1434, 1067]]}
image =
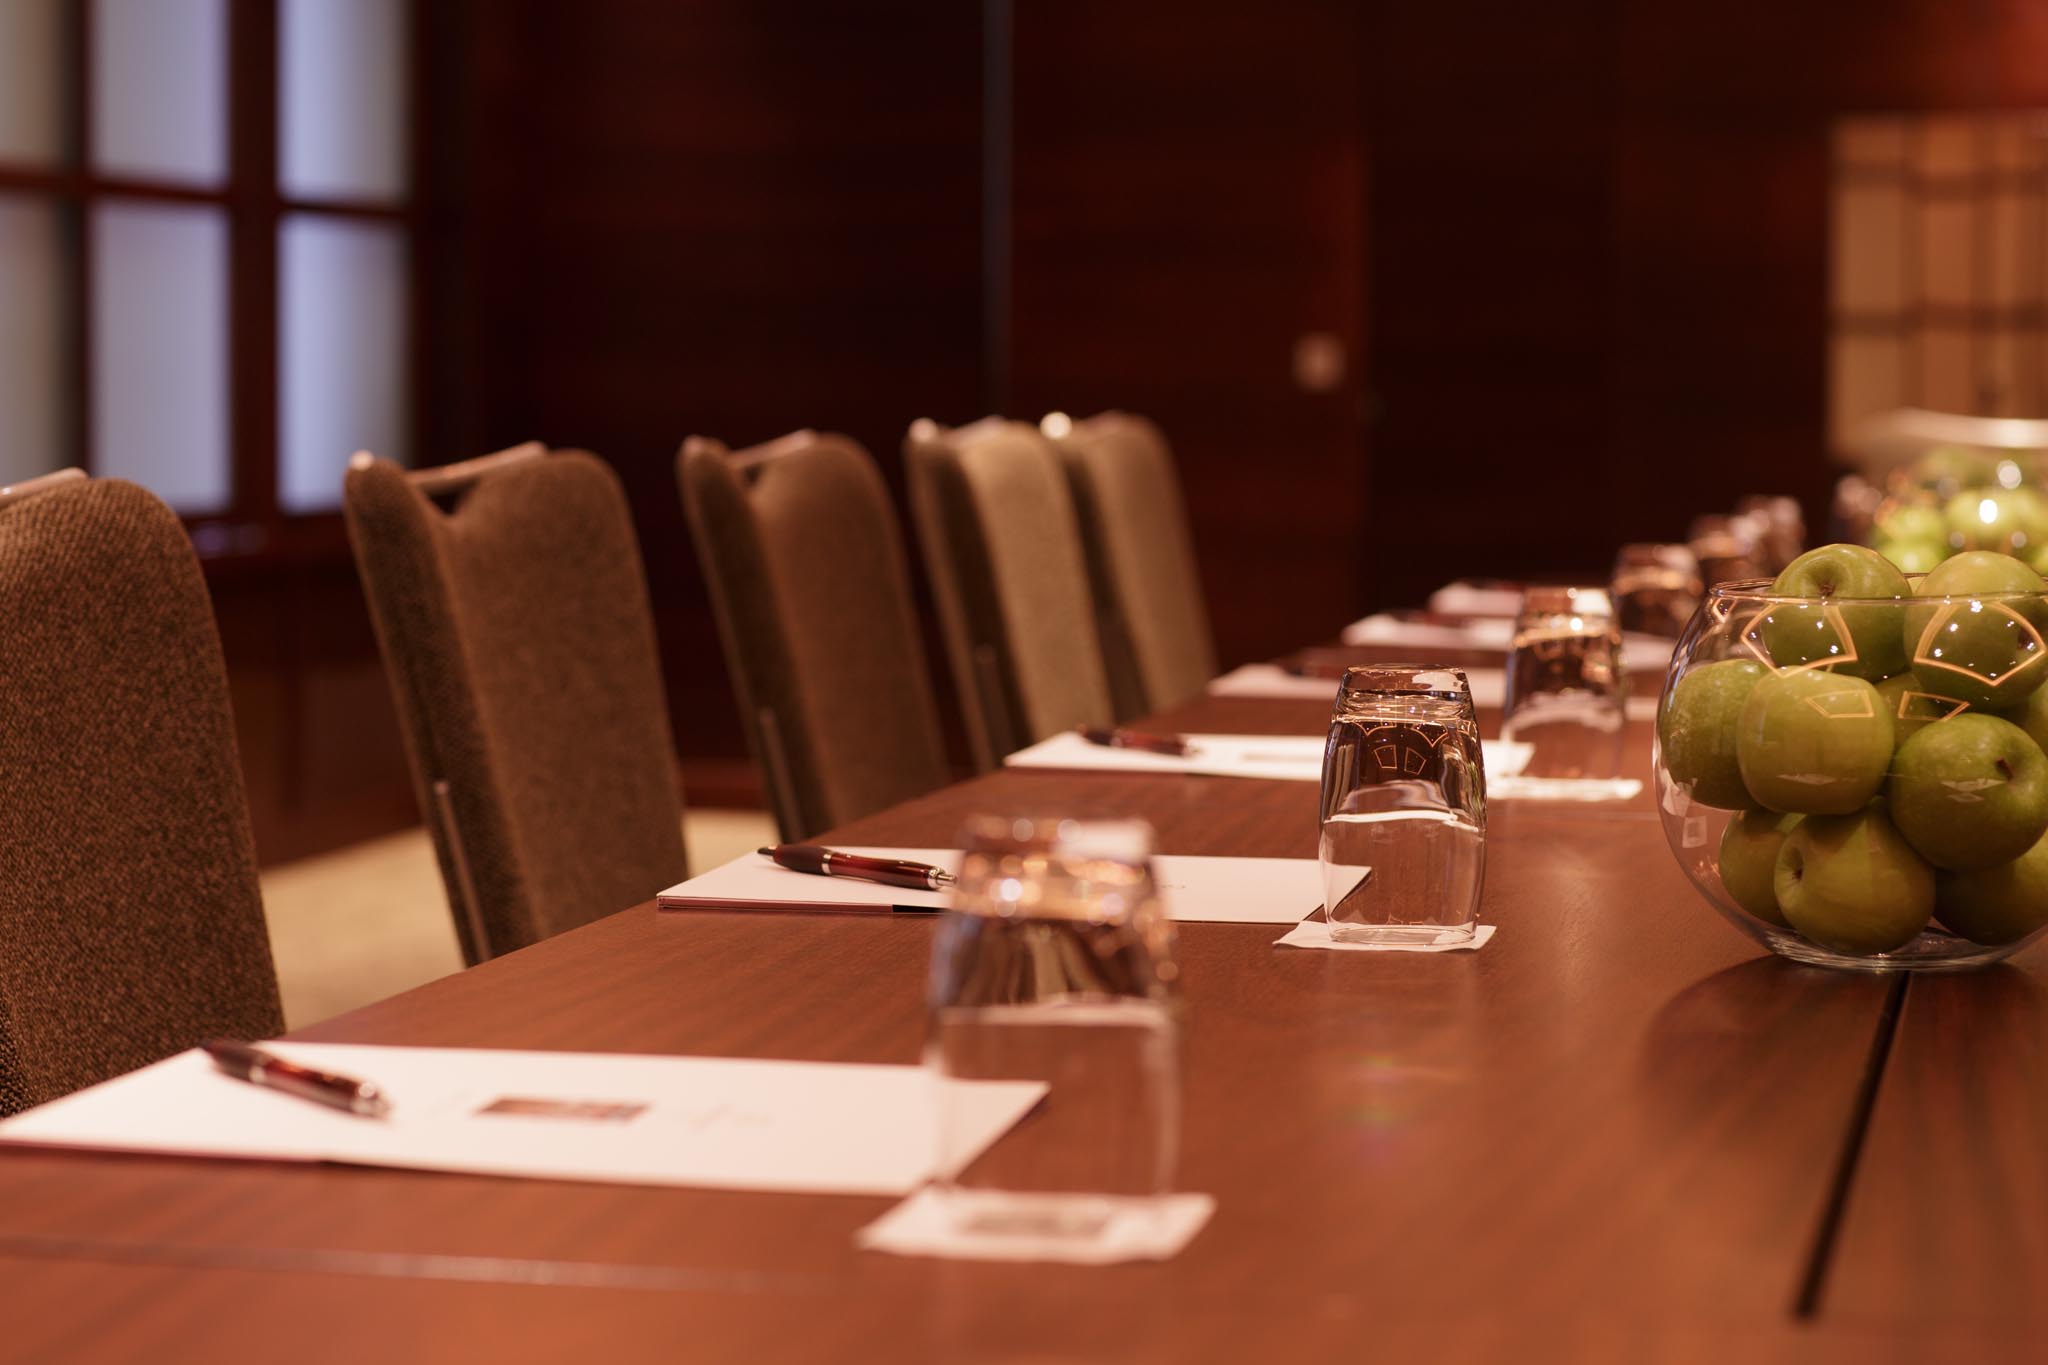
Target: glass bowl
{"points": [[1859, 782]]}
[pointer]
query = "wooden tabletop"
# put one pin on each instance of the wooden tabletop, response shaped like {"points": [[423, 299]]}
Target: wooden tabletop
{"points": [[1615, 1132]]}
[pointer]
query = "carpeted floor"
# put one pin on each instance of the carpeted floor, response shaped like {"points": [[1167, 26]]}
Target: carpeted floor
{"points": [[357, 925]]}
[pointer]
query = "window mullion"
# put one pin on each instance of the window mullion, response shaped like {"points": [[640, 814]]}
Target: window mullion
{"points": [[253, 215]]}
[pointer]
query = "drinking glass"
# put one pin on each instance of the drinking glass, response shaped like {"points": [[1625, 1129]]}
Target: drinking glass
{"points": [[1054, 962], [1566, 688], [1403, 840], [1655, 589], [1727, 548], [1784, 526]]}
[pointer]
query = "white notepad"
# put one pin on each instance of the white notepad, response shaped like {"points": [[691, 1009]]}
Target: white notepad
{"points": [[1270, 681], [808, 1127], [1194, 887], [1288, 758], [1285, 758]]}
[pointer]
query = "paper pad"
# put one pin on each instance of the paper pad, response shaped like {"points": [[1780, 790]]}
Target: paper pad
{"points": [[1489, 685], [1195, 888], [1512, 788], [809, 1127], [1285, 758]]}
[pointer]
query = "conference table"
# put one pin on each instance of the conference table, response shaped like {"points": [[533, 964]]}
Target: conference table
{"points": [[1616, 1132]]}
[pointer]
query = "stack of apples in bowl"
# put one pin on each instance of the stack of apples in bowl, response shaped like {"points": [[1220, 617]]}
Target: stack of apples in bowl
{"points": [[1953, 501], [1850, 761]]}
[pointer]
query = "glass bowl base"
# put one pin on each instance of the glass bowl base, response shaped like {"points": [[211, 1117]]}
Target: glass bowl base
{"points": [[1927, 952]]}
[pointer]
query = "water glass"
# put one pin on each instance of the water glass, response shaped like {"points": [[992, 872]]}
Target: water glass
{"points": [[1655, 589], [1727, 548], [1566, 688], [1403, 837], [1054, 962], [1783, 523]]}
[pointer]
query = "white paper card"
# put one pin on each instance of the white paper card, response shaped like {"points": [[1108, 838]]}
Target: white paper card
{"points": [[1195, 888], [1383, 629], [731, 1123], [1148, 1230], [1639, 653], [1489, 685], [1286, 758], [1316, 934], [1272, 681], [1466, 599], [1514, 788]]}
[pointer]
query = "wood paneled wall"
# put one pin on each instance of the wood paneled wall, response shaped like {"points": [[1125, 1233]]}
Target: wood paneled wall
{"points": [[1598, 269], [1186, 208]]}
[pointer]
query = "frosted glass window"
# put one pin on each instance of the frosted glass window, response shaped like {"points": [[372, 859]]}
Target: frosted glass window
{"points": [[160, 350], [30, 81], [1869, 226], [342, 99], [1946, 146], [160, 89], [1870, 142], [1869, 375], [342, 341], [31, 254], [1948, 376], [1947, 254]]}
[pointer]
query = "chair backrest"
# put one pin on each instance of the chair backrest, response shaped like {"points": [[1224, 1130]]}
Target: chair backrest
{"points": [[516, 632], [42, 483], [1156, 643], [1011, 581], [803, 556], [131, 926]]}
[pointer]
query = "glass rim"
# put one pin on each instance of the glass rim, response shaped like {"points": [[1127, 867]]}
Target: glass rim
{"points": [[1757, 591], [1360, 673]]}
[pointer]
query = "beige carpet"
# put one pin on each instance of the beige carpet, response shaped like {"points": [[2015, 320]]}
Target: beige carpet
{"points": [[355, 926]]}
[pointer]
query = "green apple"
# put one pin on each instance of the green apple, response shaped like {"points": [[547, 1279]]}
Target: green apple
{"points": [[2032, 716], [1970, 792], [1996, 904], [1948, 469], [1911, 708], [1851, 883], [2000, 519], [1813, 742], [1913, 556], [1749, 861], [2037, 558], [1696, 731], [1969, 644], [1862, 640], [1912, 521]]}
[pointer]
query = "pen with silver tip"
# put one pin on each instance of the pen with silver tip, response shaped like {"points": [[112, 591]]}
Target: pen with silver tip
{"points": [[246, 1062]]}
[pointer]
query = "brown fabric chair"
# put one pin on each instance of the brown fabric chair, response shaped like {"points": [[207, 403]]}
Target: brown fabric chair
{"points": [[131, 926], [1011, 580], [516, 632], [804, 560], [1156, 643]]}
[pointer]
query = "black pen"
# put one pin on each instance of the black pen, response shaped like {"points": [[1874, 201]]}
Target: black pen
{"points": [[252, 1064], [828, 862]]}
